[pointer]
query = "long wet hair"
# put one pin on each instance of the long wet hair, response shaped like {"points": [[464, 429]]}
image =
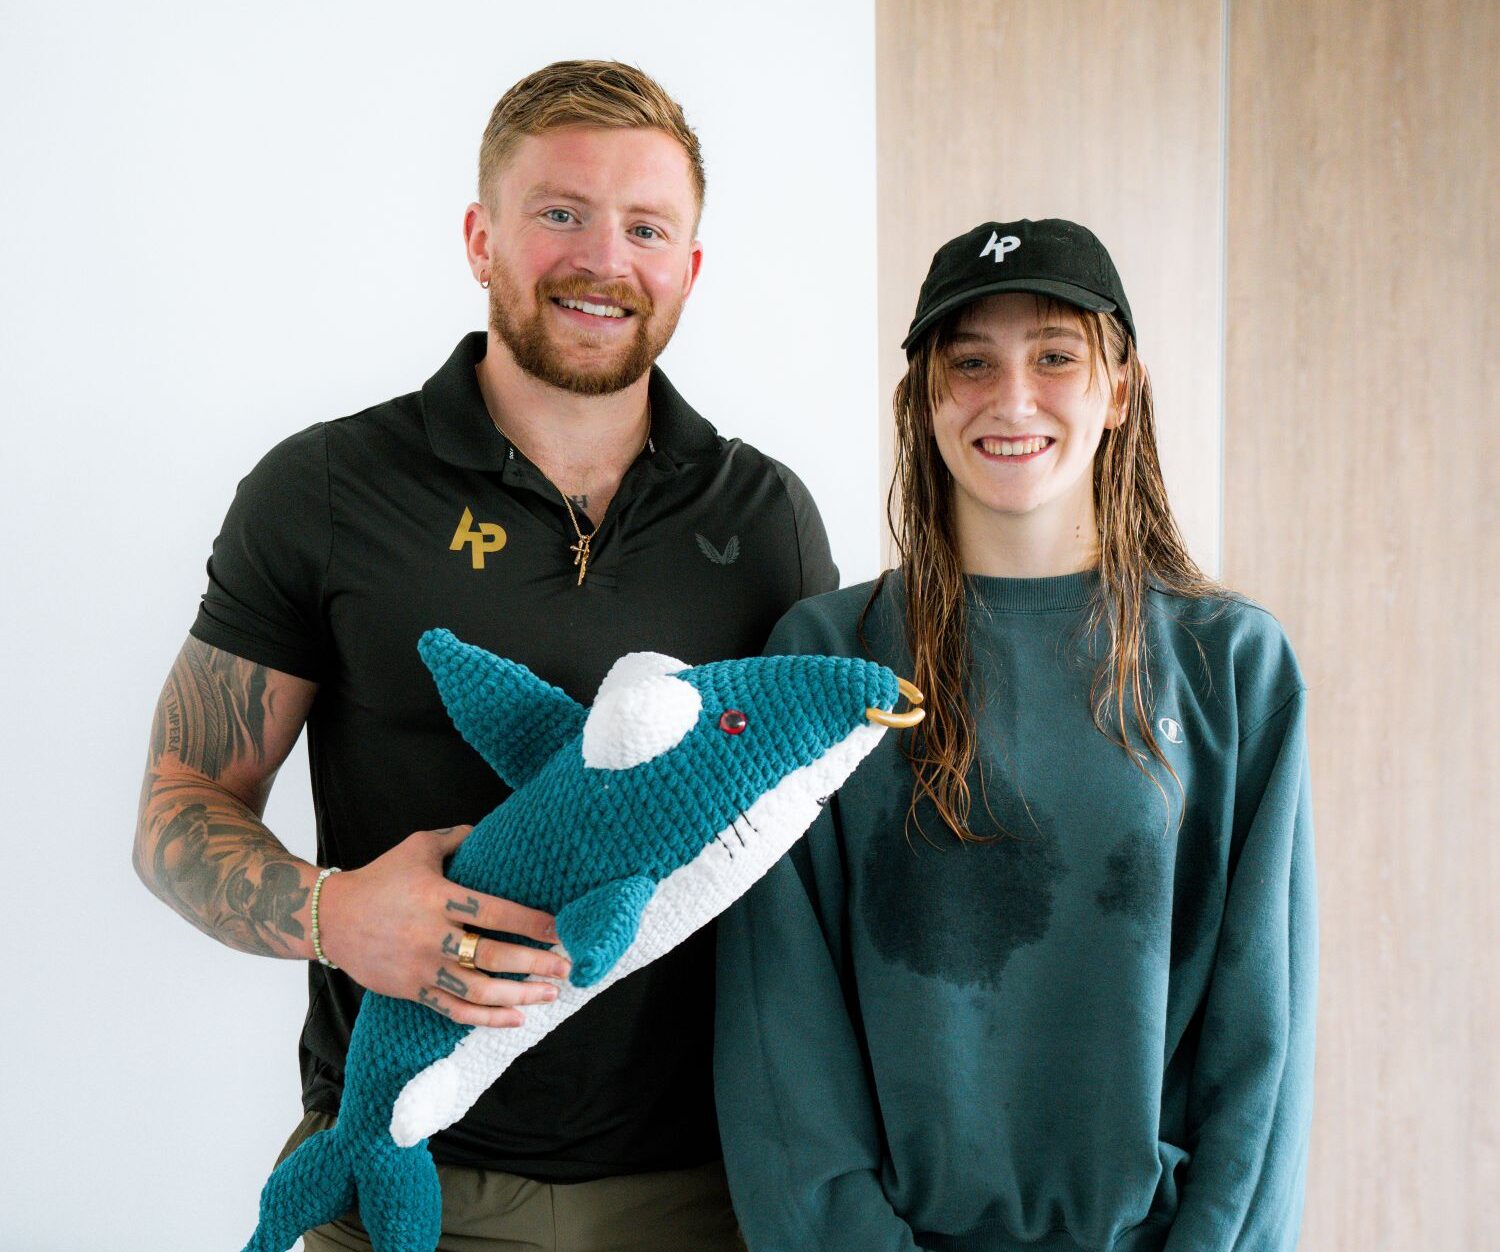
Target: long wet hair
{"points": [[1139, 547]]}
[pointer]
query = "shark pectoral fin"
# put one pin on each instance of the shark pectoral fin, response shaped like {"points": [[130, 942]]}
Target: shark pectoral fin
{"points": [[597, 928]]}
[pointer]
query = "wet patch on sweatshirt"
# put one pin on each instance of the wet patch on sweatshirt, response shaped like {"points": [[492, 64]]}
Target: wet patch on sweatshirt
{"points": [[1133, 880], [956, 911], [1197, 893], [1153, 881]]}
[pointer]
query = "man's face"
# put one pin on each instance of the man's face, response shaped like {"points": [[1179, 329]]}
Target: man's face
{"points": [[591, 253]]}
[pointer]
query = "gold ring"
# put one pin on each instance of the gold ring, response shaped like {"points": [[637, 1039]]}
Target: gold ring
{"points": [[467, 946], [900, 721]]}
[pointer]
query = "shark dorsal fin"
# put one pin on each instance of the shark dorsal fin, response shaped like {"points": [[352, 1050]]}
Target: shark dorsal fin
{"points": [[640, 712], [506, 713], [634, 666]]}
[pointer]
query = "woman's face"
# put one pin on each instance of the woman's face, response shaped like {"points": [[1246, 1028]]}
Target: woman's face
{"points": [[1024, 412]]}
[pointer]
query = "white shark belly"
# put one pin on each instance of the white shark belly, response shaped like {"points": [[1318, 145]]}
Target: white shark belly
{"points": [[685, 900]]}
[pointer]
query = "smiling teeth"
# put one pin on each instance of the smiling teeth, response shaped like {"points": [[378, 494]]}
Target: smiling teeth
{"points": [[1014, 447], [598, 310]]}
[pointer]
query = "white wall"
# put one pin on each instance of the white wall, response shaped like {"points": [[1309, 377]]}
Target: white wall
{"points": [[219, 224]]}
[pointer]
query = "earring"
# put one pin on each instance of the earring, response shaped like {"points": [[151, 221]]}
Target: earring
{"points": [[485, 282]]}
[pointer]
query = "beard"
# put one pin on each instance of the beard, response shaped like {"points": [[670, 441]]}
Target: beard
{"points": [[587, 368]]}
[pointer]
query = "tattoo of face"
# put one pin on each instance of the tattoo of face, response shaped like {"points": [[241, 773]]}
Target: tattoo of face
{"points": [[432, 1002], [470, 906], [448, 982], [201, 865], [580, 501], [212, 711]]}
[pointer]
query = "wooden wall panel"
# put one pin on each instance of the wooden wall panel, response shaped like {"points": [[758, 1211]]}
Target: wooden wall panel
{"points": [[1361, 489], [1108, 112], [1360, 351]]}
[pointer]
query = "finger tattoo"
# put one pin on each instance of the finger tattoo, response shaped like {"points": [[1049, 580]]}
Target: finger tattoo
{"points": [[450, 944], [469, 907], [432, 1002], [448, 982]]}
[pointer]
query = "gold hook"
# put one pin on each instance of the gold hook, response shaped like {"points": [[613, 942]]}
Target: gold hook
{"points": [[900, 721]]}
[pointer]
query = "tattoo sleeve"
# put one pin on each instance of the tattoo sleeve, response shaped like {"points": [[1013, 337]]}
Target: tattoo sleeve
{"points": [[200, 847], [213, 861], [212, 711]]}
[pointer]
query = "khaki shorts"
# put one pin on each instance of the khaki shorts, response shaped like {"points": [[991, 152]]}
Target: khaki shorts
{"points": [[683, 1210]]}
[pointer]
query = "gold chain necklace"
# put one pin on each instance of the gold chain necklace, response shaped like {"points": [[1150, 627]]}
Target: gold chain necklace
{"points": [[580, 549]]}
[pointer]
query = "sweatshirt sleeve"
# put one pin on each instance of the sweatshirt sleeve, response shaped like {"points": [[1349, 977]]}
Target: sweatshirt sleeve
{"points": [[796, 1113], [1251, 1099]]}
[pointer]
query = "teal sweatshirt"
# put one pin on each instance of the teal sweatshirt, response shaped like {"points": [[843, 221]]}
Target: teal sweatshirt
{"points": [[1095, 1031]]}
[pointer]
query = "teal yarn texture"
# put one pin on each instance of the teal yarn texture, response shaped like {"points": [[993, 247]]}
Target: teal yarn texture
{"points": [[729, 763]]}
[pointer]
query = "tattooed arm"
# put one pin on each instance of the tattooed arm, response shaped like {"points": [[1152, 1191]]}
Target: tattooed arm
{"points": [[223, 727]]}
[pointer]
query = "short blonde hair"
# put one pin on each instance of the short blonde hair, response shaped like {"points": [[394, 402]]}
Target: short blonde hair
{"points": [[583, 93]]}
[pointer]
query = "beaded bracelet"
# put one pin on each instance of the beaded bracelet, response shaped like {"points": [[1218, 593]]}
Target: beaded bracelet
{"points": [[317, 936]]}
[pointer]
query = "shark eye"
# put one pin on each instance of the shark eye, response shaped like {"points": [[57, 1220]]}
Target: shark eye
{"points": [[733, 722]]}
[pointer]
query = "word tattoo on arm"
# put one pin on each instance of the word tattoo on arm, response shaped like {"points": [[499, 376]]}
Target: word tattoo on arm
{"points": [[212, 712]]}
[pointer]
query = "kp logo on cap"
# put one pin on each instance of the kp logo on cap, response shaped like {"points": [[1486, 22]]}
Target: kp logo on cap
{"points": [[1000, 244]]}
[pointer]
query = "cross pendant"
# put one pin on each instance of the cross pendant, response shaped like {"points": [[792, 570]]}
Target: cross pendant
{"points": [[580, 551]]}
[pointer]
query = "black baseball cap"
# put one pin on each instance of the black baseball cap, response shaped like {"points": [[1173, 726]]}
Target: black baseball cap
{"points": [[1051, 257]]}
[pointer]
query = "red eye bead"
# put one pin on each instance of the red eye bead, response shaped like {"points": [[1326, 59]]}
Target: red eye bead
{"points": [[733, 722]]}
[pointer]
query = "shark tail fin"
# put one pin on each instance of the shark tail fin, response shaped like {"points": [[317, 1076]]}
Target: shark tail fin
{"points": [[400, 1200], [506, 713], [311, 1187]]}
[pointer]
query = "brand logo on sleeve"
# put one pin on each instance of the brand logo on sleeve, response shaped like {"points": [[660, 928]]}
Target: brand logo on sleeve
{"points": [[1000, 244], [1171, 731], [482, 538], [730, 554]]}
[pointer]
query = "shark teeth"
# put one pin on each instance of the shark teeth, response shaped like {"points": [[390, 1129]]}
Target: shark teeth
{"points": [[598, 310]]}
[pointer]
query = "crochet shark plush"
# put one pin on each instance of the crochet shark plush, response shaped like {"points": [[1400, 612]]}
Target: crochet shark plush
{"points": [[635, 823]]}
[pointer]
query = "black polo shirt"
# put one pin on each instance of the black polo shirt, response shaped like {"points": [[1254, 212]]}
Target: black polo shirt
{"points": [[350, 539]]}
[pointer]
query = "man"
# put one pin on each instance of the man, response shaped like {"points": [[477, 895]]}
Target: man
{"points": [[549, 496]]}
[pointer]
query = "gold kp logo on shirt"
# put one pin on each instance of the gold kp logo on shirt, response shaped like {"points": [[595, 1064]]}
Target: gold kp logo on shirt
{"points": [[482, 538]]}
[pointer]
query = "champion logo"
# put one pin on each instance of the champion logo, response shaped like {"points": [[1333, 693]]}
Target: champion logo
{"points": [[1171, 731], [730, 554], [1000, 245], [481, 538]]}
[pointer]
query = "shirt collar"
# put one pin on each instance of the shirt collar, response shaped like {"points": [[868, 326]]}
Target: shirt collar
{"points": [[461, 432]]}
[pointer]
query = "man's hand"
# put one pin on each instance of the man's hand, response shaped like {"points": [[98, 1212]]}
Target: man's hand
{"points": [[395, 925]]}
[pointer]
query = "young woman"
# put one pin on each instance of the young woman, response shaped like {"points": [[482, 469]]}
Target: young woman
{"points": [[1042, 975]]}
